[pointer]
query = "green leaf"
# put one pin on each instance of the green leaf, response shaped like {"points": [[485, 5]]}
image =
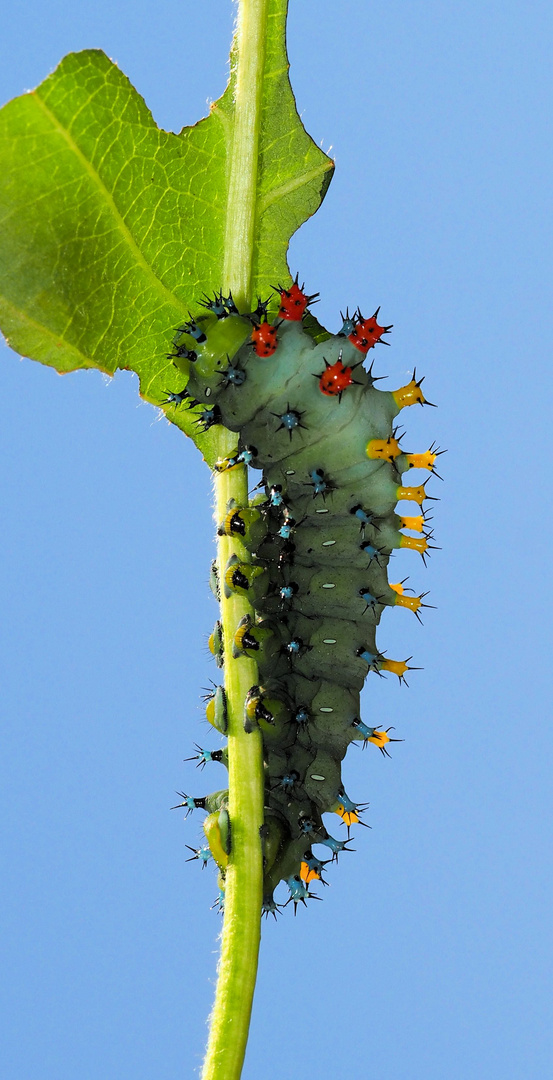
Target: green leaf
{"points": [[111, 229]]}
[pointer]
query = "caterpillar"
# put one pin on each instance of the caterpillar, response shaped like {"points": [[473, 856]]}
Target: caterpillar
{"points": [[320, 532]]}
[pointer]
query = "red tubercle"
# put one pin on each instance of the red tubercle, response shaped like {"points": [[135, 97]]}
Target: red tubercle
{"points": [[293, 303], [264, 338], [367, 333], [335, 379]]}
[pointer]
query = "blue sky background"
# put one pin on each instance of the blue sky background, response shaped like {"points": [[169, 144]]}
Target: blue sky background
{"points": [[431, 954]]}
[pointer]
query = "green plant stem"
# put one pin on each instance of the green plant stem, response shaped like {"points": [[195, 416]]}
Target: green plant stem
{"points": [[237, 972], [244, 876], [250, 38]]}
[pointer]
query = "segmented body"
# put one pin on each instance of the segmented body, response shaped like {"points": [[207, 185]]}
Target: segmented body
{"points": [[320, 536]]}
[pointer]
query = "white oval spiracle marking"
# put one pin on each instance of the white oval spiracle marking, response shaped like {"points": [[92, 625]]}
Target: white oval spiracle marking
{"points": [[329, 585], [329, 641], [316, 776]]}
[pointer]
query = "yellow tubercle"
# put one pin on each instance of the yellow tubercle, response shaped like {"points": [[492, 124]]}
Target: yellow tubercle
{"points": [[225, 527], [239, 635], [379, 738], [398, 588], [411, 394], [411, 494], [422, 461], [308, 875], [414, 523], [347, 816], [213, 835], [415, 543], [251, 705], [413, 603], [397, 667], [383, 449], [226, 464], [229, 576]]}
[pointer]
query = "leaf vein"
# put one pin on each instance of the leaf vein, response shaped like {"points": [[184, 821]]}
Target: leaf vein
{"points": [[110, 202], [279, 192]]}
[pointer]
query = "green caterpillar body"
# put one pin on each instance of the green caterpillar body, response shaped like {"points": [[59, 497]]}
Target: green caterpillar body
{"points": [[320, 538]]}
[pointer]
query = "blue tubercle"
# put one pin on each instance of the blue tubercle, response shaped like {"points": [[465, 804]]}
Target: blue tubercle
{"points": [[320, 485], [298, 889], [348, 324], [336, 846], [275, 495], [202, 853], [194, 330]]}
